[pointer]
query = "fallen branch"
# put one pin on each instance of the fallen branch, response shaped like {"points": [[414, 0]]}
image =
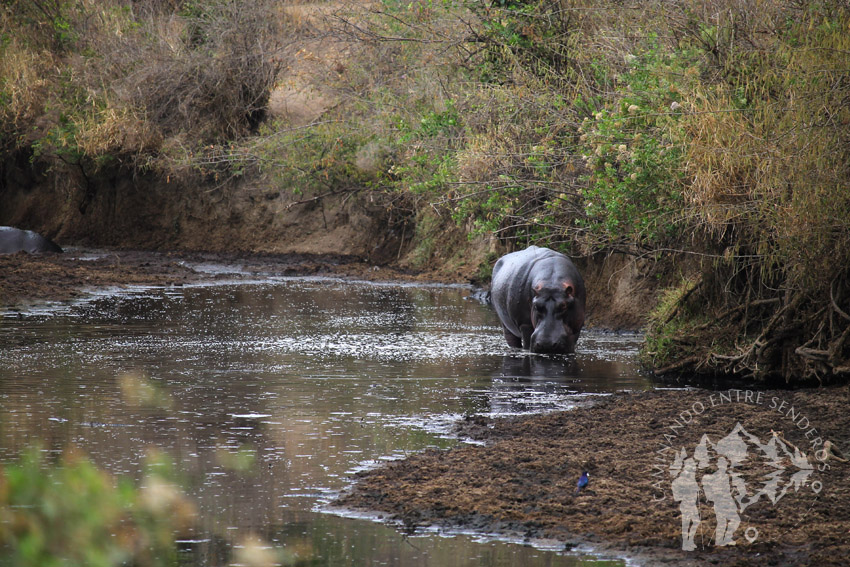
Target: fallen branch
{"points": [[778, 435], [812, 354], [682, 300], [837, 347], [829, 448], [319, 197], [835, 305], [677, 366], [733, 310], [832, 452]]}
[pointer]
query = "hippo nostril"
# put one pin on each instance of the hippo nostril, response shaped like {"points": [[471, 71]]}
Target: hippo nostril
{"points": [[547, 347], [562, 346]]}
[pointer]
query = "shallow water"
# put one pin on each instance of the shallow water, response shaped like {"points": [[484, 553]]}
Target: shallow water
{"points": [[312, 379]]}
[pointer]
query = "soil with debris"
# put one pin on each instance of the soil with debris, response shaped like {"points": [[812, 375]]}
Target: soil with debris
{"points": [[27, 279], [523, 480]]}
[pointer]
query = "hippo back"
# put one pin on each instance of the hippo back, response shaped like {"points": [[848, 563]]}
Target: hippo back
{"points": [[16, 240], [510, 288]]}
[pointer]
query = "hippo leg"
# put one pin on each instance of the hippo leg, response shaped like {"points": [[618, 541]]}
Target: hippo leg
{"points": [[513, 340], [527, 330]]}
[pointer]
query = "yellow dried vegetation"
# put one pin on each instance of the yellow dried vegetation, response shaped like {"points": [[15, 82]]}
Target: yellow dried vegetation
{"points": [[23, 84], [770, 153]]}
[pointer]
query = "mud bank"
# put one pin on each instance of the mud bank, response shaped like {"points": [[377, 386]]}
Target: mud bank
{"points": [[29, 279], [616, 300], [523, 480]]}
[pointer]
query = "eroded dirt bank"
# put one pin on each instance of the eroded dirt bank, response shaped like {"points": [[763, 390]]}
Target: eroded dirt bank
{"points": [[524, 480], [346, 231]]}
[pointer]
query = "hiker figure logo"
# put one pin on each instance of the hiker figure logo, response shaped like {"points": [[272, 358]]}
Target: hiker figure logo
{"points": [[726, 488], [726, 475]]}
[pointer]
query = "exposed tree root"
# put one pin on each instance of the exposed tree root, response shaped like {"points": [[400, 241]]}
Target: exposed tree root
{"points": [[793, 335]]}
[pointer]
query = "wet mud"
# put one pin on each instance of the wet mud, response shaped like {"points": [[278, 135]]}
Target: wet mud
{"points": [[522, 481], [27, 279]]}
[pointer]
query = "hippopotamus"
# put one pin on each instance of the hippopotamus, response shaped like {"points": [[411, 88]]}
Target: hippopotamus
{"points": [[539, 297], [16, 240]]}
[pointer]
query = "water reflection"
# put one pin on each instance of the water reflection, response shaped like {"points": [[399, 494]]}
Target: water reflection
{"points": [[541, 367], [268, 396]]}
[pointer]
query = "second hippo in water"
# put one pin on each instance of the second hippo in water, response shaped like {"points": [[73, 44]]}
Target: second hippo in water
{"points": [[539, 297], [16, 240]]}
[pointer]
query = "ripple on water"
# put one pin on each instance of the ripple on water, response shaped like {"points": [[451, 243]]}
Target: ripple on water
{"points": [[270, 394]]}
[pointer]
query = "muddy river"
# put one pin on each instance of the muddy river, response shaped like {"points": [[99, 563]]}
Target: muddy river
{"points": [[269, 395]]}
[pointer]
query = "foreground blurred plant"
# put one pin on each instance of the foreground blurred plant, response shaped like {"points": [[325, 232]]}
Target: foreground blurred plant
{"points": [[71, 513]]}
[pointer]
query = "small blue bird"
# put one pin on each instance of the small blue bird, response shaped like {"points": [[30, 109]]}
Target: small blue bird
{"points": [[582, 481]]}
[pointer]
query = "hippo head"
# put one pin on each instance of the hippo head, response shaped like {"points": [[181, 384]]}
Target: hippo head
{"points": [[557, 318]]}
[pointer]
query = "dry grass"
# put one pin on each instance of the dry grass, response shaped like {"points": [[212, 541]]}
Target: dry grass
{"points": [[24, 88], [94, 80], [768, 154], [771, 153]]}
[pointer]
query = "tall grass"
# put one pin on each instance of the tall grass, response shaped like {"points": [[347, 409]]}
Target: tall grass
{"points": [[768, 154]]}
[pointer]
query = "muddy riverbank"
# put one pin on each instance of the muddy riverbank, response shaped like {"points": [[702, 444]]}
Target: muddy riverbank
{"points": [[27, 279], [619, 295], [523, 480]]}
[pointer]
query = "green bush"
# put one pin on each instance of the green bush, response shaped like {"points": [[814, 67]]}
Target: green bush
{"points": [[634, 149], [767, 152]]}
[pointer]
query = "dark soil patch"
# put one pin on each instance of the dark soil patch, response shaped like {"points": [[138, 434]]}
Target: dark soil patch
{"points": [[524, 479]]}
